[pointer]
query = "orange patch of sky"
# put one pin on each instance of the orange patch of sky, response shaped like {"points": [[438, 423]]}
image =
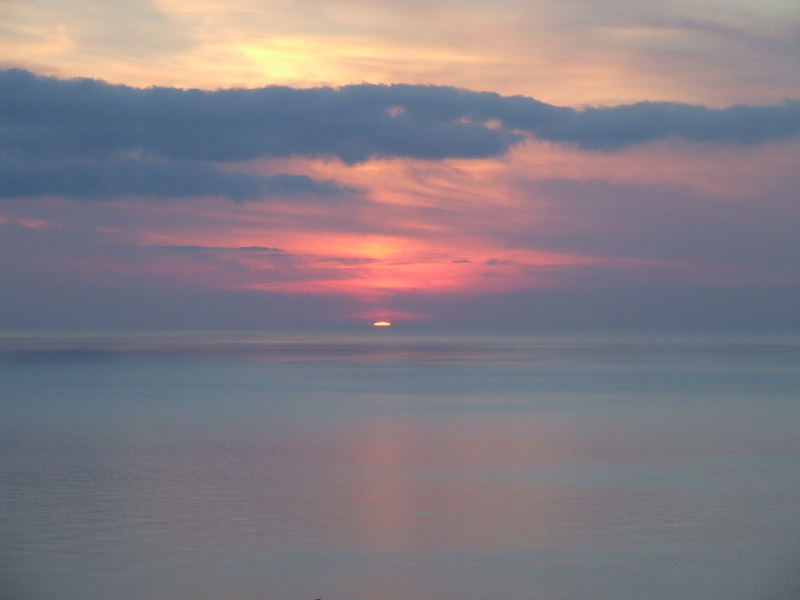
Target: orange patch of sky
{"points": [[381, 265], [566, 54], [491, 184]]}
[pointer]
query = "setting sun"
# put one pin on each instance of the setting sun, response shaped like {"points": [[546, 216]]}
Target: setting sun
{"points": [[381, 324]]}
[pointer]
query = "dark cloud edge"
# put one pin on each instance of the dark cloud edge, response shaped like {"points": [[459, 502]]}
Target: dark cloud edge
{"points": [[196, 248], [104, 180], [49, 119]]}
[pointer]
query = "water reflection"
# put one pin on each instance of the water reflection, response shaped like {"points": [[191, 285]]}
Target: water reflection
{"points": [[395, 479]]}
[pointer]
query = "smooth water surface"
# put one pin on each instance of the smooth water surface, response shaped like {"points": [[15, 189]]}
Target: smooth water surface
{"points": [[387, 465]]}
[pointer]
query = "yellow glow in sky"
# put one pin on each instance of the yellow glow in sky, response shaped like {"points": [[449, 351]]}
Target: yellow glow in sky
{"points": [[566, 52]]}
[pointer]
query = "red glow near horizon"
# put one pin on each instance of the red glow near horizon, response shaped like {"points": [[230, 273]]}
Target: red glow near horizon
{"points": [[458, 227]]}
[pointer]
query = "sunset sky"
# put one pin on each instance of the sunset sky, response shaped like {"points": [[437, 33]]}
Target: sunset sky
{"points": [[259, 164]]}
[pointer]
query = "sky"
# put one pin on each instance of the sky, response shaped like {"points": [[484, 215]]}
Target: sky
{"points": [[279, 164]]}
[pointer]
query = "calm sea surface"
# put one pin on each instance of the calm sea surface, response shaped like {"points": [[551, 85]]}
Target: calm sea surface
{"points": [[386, 465]]}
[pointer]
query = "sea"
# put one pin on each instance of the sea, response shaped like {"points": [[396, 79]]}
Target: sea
{"points": [[400, 465]]}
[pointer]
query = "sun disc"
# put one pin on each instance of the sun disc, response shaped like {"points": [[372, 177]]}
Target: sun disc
{"points": [[381, 324]]}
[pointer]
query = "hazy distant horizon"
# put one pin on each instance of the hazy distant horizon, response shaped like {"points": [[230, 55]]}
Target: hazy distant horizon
{"points": [[142, 310]]}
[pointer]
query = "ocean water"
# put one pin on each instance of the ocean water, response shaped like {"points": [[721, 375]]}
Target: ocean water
{"points": [[392, 465]]}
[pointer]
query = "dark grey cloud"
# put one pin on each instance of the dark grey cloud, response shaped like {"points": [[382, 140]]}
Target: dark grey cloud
{"points": [[196, 248], [46, 117], [101, 180], [261, 249], [616, 127], [51, 119], [497, 262]]}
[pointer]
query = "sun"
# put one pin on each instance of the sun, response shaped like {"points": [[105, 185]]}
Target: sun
{"points": [[381, 324]]}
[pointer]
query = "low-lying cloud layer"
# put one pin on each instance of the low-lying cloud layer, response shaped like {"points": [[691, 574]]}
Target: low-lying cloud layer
{"points": [[56, 119]]}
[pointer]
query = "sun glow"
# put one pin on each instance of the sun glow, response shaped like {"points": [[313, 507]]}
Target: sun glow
{"points": [[381, 324]]}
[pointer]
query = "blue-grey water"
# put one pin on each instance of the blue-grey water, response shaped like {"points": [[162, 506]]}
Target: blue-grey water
{"points": [[387, 465]]}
